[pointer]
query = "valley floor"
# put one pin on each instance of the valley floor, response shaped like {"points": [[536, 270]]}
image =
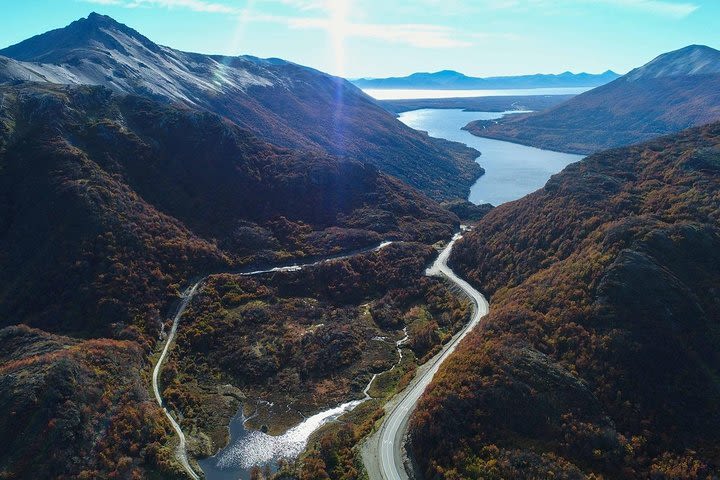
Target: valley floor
{"points": [[339, 337]]}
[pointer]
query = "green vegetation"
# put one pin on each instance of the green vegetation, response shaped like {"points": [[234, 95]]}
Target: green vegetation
{"points": [[599, 357]]}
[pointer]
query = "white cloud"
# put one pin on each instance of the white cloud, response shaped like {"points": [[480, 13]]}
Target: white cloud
{"points": [[413, 34], [677, 9], [305, 4], [661, 7], [670, 8], [105, 2], [194, 5], [329, 17], [342, 19]]}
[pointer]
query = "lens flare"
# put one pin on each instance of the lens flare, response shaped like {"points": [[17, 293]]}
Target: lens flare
{"points": [[243, 19], [339, 11]]}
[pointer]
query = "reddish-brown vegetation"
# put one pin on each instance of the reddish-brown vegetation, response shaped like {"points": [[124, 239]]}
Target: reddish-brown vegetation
{"points": [[296, 107], [311, 339], [109, 205], [656, 99], [77, 409], [599, 356]]}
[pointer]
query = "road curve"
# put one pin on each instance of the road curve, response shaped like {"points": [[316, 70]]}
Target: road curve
{"points": [[383, 455], [181, 449], [186, 298]]}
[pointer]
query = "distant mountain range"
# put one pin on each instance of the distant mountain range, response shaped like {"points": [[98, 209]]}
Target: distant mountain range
{"points": [[674, 91], [452, 80], [284, 103]]}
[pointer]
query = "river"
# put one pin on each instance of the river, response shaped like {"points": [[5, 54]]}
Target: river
{"points": [[250, 448], [511, 170]]}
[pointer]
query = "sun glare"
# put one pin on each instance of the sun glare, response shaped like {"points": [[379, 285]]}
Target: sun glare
{"points": [[339, 11]]}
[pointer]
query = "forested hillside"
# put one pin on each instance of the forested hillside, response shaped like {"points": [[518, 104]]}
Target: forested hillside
{"points": [[109, 206], [677, 90], [599, 356]]}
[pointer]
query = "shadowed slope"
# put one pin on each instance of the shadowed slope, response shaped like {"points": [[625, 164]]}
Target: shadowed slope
{"points": [[108, 202]]}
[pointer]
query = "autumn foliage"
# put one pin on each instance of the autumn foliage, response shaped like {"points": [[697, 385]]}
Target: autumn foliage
{"points": [[77, 409], [599, 357], [110, 205], [311, 339]]}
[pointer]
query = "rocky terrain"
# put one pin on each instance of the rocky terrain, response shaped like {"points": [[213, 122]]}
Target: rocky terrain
{"points": [[284, 103]]}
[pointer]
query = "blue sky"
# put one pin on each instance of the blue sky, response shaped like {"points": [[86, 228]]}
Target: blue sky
{"points": [[378, 38]]}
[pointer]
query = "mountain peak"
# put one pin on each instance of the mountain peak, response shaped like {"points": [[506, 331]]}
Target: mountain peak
{"points": [[442, 74], [690, 60], [86, 33], [98, 18]]}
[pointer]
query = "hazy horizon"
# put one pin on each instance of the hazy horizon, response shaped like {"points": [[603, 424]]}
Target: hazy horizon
{"points": [[485, 76]]}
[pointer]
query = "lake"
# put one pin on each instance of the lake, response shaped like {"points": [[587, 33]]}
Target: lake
{"points": [[511, 170], [411, 94]]}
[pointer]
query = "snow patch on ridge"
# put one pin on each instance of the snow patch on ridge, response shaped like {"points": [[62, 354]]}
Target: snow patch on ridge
{"points": [[133, 67]]}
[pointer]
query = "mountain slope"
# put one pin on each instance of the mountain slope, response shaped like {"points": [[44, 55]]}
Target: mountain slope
{"points": [[676, 90], [599, 353], [77, 409], [108, 202], [691, 60], [286, 104], [451, 80]]}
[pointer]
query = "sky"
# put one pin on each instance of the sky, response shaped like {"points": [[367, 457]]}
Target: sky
{"points": [[380, 38]]}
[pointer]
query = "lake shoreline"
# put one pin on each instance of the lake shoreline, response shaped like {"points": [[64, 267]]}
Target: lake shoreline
{"points": [[474, 129], [512, 170], [417, 94], [496, 104]]}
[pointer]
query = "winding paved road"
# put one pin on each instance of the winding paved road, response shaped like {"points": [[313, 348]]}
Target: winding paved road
{"points": [[182, 448], [383, 454], [186, 298]]}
